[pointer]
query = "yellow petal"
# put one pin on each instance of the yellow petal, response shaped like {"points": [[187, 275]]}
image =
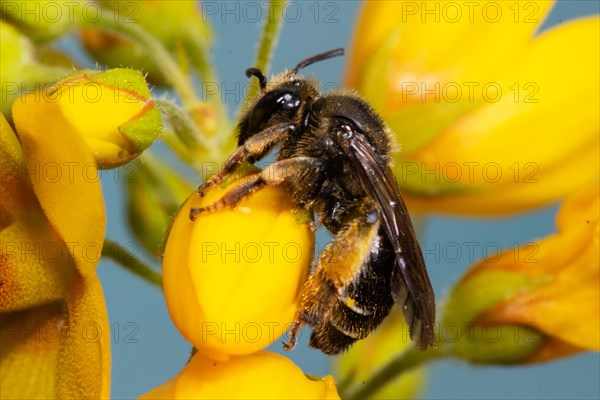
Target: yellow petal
{"points": [[59, 350], [31, 344], [262, 375], [231, 278], [552, 349], [84, 368], [35, 265], [63, 174], [423, 65], [445, 40], [529, 152]]}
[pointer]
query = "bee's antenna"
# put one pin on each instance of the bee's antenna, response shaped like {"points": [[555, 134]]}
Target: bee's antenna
{"points": [[316, 58], [262, 80]]}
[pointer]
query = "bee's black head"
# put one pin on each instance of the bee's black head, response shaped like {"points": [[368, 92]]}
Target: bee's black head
{"points": [[284, 98]]}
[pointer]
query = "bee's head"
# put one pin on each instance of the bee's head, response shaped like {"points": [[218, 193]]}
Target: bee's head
{"points": [[281, 99]]}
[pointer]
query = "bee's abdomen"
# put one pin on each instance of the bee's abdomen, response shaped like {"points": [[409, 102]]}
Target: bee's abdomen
{"points": [[363, 305]]}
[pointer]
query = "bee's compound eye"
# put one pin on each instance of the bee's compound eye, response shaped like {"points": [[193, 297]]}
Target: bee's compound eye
{"points": [[276, 101], [289, 101], [296, 83]]}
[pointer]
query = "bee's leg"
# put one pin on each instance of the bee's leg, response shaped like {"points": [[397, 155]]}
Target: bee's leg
{"points": [[304, 169], [251, 150], [338, 265]]}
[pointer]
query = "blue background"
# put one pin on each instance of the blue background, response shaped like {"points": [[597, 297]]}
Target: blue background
{"points": [[147, 349]]}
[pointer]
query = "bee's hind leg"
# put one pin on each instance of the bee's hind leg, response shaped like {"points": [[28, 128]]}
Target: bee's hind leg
{"points": [[338, 266]]}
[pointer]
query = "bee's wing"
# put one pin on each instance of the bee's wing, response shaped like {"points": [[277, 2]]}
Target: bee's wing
{"points": [[411, 287]]}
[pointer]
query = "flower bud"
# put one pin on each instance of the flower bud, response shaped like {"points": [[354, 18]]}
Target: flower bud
{"points": [[538, 307], [232, 277], [260, 375], [112, 111]]}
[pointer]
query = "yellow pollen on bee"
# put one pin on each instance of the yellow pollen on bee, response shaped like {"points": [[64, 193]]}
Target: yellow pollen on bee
{"points": [[350, 302]]}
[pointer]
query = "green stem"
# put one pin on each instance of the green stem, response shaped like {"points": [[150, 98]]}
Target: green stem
{"points": [[192, 145], [182, 124], [108, 21], [124, 258], [402, 363], [268, 40], [200, 58], [173, 142]]}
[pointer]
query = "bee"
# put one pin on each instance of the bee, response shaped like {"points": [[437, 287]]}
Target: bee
{"points": [[334, 158]]}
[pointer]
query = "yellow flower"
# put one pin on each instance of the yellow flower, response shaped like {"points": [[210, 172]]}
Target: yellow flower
{"points": [[55, 335], [231, 278], [535, 303], [491, 116], [263, 375], [174, 27], [112, 111]]}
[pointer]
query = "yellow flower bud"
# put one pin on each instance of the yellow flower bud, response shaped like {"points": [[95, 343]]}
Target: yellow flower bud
{"points": [[263, 375], [231, 277], [534, 303], [112, 111]]}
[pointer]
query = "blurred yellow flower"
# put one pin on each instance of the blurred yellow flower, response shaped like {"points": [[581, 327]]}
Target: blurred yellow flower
{"points": [[111, 110], [262, 375], [537, 303], [492, 117], [22, 66], [232, 277], [43, 20], [55, 336]]}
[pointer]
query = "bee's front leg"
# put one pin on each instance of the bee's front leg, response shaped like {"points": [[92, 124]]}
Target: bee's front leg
{"points": [[289, 170], [254, 148]]}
